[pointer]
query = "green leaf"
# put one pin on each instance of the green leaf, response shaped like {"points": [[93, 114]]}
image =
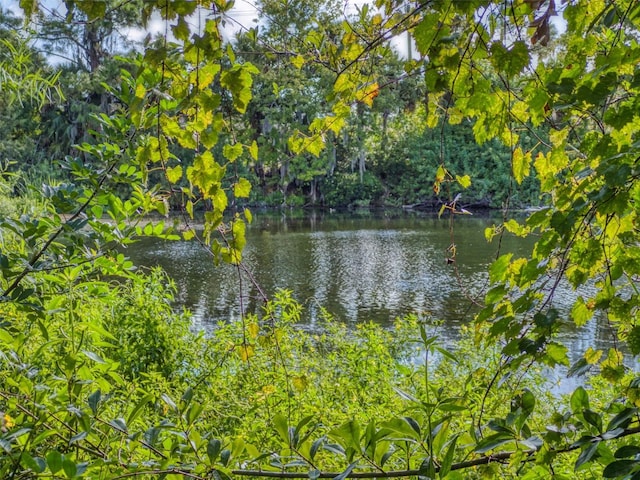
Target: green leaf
{"points": [[78, 437], [54, 461], [580, 313], [620, 468], [253, 150], [95, 9], [214, 447], [119, 424], [499, 269], [181, 29], [94, 356], [464, 181], [242, 188], [521, 164], [238, 80], [426, 32], [174, 174], [137, 410], [579, 400], [510, 61], [622, 419], [298, 61], [556, 354], [493, 441], [447, 461], [69, 467], [627, 451], [36, 465], [94, 400], [427, 469], [593, 419], [169, 401], [232, 152], [587, 455], [347, 434], [346, 472], [282, 427]]}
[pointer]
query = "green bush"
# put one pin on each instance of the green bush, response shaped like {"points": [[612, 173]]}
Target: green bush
{"points": [[347, 189]]}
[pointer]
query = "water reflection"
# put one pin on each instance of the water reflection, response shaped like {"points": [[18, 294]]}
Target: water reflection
{"points": [[361, 268], [371, 267]]}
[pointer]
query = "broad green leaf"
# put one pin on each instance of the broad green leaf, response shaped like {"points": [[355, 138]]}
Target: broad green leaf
{"points": [[521, 163], [95, 9], [579, 400], [69, 467], [511, 61], [281, 425], [298, 61], [627, 451], [348, 435], [54, 461], [556, 354], [94, 400], [232, 152], [499, 269], [214, 447], [593, 418], [587, 454], [592, 356], [427, 31], [580, 312], [620, 468], [402, 428], [492, 442], [174, 174], [242, 188], [94, 356]]}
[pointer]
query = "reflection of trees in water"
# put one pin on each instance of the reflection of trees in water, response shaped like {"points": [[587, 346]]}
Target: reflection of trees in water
{"points": [[360, 269]]}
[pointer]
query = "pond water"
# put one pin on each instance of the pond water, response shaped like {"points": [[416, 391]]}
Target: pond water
{"points": [[369, 266]]}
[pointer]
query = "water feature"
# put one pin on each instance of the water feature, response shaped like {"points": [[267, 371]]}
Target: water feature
{"points": [[368, 266]]}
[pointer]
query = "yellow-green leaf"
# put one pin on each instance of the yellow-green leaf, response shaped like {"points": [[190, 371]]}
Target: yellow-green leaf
{"points": [[592, 356], [300, 383], [521, 164], [581, 313], [253, 150], [242, 188], [140, 91], [298, 61], [174, 173], [464, 181], [232, 152], [246, 352], [253, 329]]}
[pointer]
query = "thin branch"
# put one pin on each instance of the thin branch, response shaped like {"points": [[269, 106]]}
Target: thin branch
{"points": [[52, 238], [484, 460]]}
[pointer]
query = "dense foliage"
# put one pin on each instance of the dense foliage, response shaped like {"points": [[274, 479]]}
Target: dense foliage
{"points": [[102, 379]]}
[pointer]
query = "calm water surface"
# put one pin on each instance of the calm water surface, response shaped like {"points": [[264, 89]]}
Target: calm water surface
{"points": [[361, 267]]}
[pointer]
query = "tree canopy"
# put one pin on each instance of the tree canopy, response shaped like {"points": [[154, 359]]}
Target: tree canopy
{"points": [[101, 379]]}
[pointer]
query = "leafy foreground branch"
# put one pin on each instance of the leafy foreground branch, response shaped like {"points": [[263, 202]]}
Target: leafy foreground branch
{"points": [[100, 378], [498, 457]]}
